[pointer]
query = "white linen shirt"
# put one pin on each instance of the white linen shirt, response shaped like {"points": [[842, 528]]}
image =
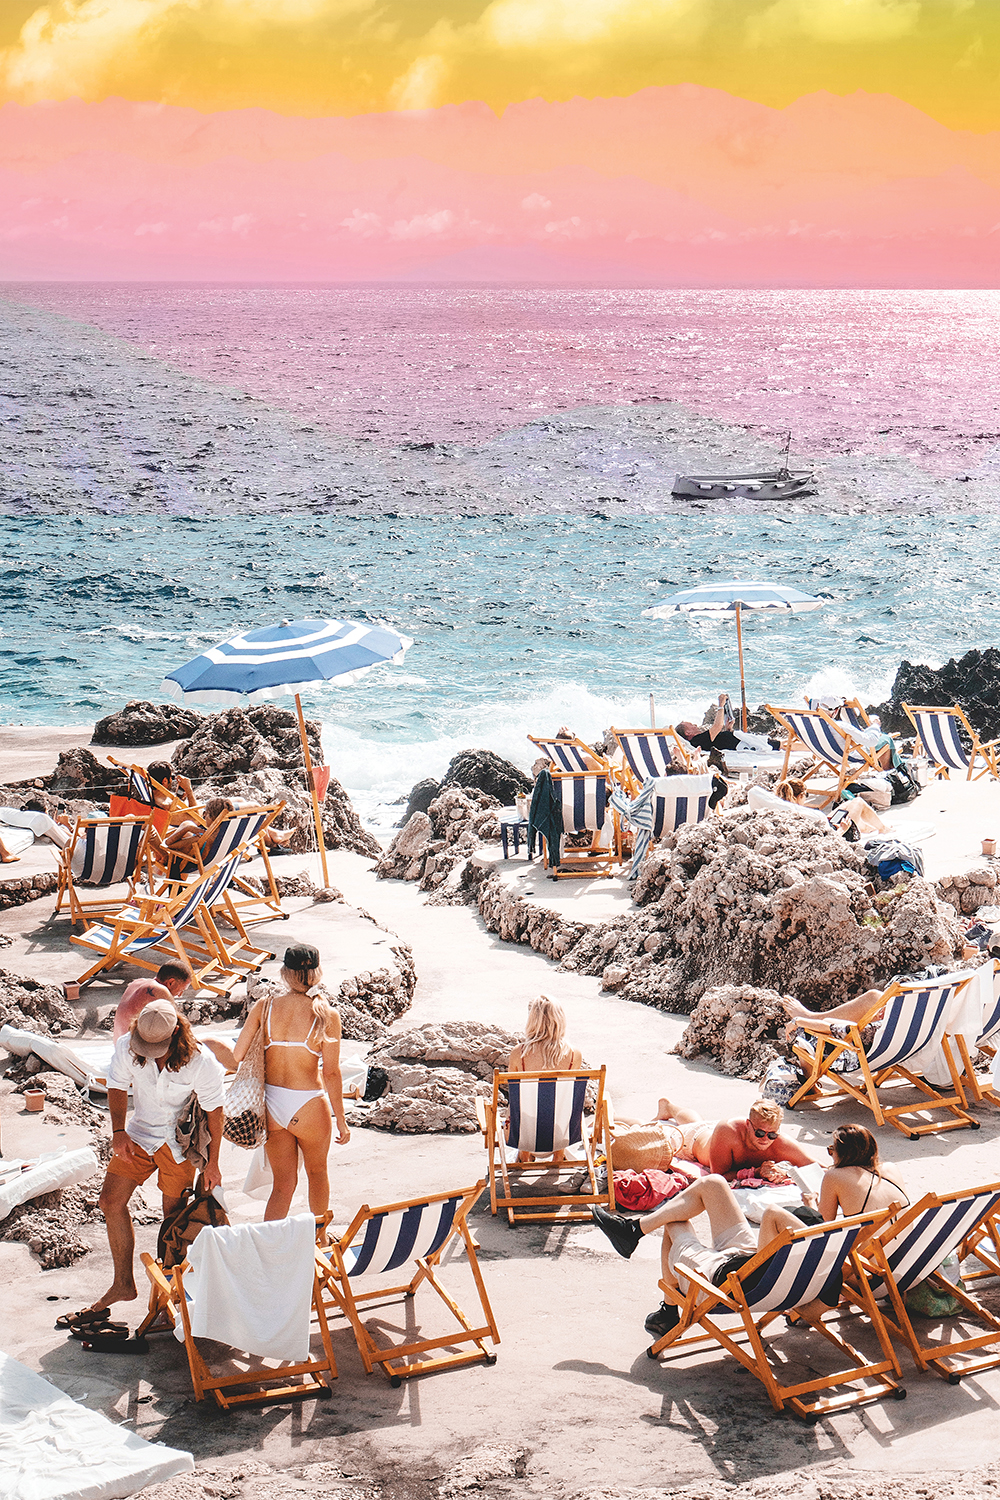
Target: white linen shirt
{"points": [[159, 1096]]}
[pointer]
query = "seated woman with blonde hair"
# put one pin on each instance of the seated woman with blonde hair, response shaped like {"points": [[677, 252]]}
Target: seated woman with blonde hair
{"points": [[544, 1049]]}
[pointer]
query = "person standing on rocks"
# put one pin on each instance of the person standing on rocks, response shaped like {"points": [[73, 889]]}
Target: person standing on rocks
{"points": [[301, 1031], [160, 1060]]}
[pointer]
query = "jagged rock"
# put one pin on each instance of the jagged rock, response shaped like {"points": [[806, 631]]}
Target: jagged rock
{"points": [[968, 892], [422, 794], [517, 920], [25, 888], [436, 1072], [79, 770], [484, 771], [247, 740], [432, 844], [972, 681], [140, 723], [34, 1006], [740, 1028]]}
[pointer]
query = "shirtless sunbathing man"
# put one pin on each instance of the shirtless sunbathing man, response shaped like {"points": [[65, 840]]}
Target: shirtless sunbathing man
{"points": [[725, 1146]]}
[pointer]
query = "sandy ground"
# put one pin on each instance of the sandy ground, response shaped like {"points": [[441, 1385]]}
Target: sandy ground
{"points": [[572, 1385]]}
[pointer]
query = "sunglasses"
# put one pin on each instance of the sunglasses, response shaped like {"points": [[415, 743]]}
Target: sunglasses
{"points": [[763, 1135]]}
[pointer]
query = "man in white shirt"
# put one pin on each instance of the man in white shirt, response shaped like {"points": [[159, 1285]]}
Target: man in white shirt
{"points": [[163, 1064]]}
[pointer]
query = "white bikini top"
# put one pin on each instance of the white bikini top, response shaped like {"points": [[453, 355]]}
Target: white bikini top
{"points": [[270, 1041]]}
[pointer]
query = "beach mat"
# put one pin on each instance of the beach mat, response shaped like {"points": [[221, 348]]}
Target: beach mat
{"points": [[52, 1448]]}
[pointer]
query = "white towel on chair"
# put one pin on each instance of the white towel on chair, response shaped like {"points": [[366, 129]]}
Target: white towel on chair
{"points": [[251, 1285]]}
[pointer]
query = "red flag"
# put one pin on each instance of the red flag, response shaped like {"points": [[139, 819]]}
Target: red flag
{"points": [[321, 780]]}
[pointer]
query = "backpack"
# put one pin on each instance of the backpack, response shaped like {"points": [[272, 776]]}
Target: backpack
{"points": [[196, 1209], [904, 787]]}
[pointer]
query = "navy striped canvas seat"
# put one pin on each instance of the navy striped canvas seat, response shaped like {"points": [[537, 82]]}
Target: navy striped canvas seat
{"points": [[793, 1270], [832, 746], [938, 729], [102, 852], [912, 1249], [911, 1039], [414, 1234], [584, 802], [567, 754], [648, 752], [546, 1115], [240, 831], [664, 804], [178, 926]]}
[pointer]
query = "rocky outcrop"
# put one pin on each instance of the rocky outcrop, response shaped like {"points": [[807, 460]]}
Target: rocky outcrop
{"points": [[740, 1029], [246, 739], [34, 1006], [434, 843], [140, 723], [436, 1073], [20, 890], [972, 681], [768, 900], [78, 771], [968, 892], [516, 920], [472, 770]]}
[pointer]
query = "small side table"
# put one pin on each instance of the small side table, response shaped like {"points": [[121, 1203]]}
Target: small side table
{"points": [[512, 824]]}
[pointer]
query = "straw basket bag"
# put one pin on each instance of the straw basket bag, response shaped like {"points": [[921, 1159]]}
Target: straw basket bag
{"points": [[246, 1120], [640, 1147]]}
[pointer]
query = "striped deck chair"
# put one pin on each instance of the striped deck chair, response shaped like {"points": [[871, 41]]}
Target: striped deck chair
{"points": [[586, 808], [546, 1113], [986, 1038], [911, 1249], [178, 926], [831, 745], [649, 752], [938, 729], [915, 1018], [102, 852], [414, 1234], [851, 712], [569, 755], [232, 831], [793, 1269], [258, 1383], [665, 804]]}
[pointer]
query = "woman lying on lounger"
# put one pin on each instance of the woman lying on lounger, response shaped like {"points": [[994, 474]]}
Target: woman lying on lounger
{"points": [[853, 813]]}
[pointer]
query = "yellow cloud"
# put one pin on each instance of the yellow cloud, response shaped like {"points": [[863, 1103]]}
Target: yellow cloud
{"points": [[841, 21], [531, 24]]}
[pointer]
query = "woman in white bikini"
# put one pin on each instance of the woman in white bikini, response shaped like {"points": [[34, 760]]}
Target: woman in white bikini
{"points": [[301, 1031], [544, 1049]]}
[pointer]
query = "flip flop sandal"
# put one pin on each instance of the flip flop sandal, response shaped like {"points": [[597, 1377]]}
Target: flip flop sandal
{"points": [[99, 1344], [101, 1330], [82, 1319]]}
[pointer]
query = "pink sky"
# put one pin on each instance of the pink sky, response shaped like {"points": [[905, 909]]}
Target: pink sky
{"points": [[671, 185]]}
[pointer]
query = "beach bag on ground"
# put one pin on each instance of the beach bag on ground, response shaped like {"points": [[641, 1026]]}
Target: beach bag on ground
{"points": [[639, 1192], [875, 789], [904, 786], [781, 1081], [932, 1301], [246, 1120], [889, 855], [197, 1209], [642, 1147]]}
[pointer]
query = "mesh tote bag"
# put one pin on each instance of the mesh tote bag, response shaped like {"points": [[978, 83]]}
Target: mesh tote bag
{"points": [[246, 1122]]}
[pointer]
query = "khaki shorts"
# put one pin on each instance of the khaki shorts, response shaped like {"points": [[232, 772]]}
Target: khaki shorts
{"points": [[174, 1176], [695, 1133], [686, 1249]]}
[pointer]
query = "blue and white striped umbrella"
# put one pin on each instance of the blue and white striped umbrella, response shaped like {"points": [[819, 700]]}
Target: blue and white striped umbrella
{"points": [[725, 598], [280, 659], [732, 598]]}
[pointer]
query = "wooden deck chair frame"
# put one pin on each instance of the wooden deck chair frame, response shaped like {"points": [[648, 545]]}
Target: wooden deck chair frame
{"points": [[269, 1383], [987, 1042], [188, 932], [596, 1140], [418, 1356], [87, 910], [874, 1261], [982, 1243], [865, 1091], [855, 759], [655, 762], [704, 1303], [988, 752], [269, 898], [595, 861]]}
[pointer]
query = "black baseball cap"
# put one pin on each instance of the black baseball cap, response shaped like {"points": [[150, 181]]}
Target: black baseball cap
{"points": [[301, 957]]}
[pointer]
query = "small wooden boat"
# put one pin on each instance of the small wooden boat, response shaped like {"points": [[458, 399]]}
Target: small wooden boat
{"points": [[773, 484]]}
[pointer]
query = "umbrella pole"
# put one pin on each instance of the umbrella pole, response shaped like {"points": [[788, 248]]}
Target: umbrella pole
{"points": [[652, 713], [743, 685], [312, 789]]}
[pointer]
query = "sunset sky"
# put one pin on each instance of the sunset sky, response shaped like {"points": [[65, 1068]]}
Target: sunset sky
{"points": [[903, 152]]}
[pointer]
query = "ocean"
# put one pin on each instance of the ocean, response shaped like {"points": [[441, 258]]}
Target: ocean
{"points": [[489, 470]]}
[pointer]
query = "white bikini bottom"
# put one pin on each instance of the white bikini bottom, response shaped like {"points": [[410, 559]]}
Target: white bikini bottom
{"points": [[284, 1104]]}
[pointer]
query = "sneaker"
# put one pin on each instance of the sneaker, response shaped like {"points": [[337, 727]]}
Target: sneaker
{"points": [[664, 1320], [623, 1233]]}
